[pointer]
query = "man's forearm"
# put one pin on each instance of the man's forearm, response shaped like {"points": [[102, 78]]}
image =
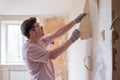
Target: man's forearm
{"points": [[63, 29], [56, 52], [68, 26]]}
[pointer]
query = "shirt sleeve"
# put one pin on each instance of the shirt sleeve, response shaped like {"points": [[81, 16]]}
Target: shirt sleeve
{"points": [[38, 54], [46, 40]]}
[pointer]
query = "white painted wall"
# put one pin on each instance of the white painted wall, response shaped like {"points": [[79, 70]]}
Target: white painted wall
{"points": [[101, 50], [78, 50]]}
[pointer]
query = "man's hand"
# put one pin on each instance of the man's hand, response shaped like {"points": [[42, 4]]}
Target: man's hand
{"points": [[75, 35], [79, 18]]}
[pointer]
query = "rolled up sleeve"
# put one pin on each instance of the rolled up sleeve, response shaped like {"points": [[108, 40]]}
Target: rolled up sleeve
{"points": [[46, 40], [38, 54]]}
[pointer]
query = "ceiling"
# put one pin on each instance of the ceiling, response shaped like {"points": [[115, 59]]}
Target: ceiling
{"points": [[35, 7]]}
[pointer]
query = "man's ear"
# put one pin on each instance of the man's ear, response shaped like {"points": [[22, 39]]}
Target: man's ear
{"points": [[32, 32]]}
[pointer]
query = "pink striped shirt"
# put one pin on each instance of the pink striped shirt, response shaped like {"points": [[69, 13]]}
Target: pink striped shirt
{"points": [[37, 60]]}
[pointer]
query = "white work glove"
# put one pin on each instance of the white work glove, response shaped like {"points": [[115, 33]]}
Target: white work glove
{"points": [[75, 35], [79, 18]]}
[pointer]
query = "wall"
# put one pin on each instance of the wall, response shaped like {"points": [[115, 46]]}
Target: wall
{"points": [[116, 39], [60, 63], [79, 49], [101, 43]]}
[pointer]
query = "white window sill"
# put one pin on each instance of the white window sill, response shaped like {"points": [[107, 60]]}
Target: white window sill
{"points": [[13, 64]]}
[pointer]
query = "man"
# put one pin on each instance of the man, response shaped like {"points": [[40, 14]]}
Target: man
{"points": [[37, 58]]}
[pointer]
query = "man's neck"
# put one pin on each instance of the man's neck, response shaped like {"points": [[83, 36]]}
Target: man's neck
{"points": [[34, 40]]}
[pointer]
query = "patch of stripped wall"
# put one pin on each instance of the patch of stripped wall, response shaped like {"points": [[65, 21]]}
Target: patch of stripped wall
{"points": [[60, 63]]}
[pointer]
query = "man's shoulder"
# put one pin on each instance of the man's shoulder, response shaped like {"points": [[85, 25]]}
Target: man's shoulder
{"points": [[46, 36]]}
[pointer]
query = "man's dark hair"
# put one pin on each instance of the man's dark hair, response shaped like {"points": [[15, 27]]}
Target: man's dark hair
{"points": [[27, 25]]}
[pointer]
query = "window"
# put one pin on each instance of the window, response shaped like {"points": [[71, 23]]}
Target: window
{"points": [[11, 42]]}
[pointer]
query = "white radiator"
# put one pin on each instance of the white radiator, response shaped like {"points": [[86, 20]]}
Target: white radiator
{"points": [[15, 74], [19, 74]]}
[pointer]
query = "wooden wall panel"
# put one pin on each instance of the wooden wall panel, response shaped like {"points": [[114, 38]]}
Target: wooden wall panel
{"points": [[116, 39]]}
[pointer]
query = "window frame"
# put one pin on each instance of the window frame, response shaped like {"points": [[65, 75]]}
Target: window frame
{"points": [[4, 27]]}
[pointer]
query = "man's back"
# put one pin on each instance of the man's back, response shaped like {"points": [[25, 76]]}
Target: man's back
{"points": [[37, 60]]}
